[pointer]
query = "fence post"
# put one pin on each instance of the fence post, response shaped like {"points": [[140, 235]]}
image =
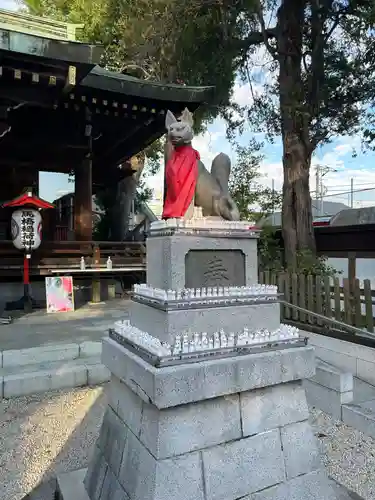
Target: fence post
{"points": [[310, 298], [318, 297], [352, 269], [357, 304], [267, 277], [287, 294], [261, 278], [281, 289], [302, 297], [295, 313], [327, 297], [368, 305], [337, 297], [347, 304]]}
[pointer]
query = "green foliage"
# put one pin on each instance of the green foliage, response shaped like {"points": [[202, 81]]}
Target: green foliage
{"points": [[334, 78], [319, 60], [270, 256], [309, 263], [245, 188], [269, 250], [196, 42]]}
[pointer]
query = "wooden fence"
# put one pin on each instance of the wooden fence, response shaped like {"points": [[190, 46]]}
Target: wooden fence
{"points": [[351, 303]]}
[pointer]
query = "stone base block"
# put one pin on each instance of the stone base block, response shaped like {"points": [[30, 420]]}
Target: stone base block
{"points": [[165, 325], [178, 261], [312, 486], [215, 430], [326, 399], [70, 486], [187, 383]]}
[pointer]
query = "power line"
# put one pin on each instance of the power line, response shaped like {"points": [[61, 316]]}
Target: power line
{"points": [[349, 192]]}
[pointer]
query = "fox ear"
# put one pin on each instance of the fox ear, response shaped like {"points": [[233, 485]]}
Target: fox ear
{"points": [[187, 117], [169, 119]]}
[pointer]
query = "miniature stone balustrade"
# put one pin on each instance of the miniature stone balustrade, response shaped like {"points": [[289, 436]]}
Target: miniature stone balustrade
{"points": [[203, 223], [188, 343], [224, 293]]}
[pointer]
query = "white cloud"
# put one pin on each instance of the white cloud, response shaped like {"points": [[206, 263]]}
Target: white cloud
{"points": [[242, 94], [9, 5], [337, 185], [337, 182]]}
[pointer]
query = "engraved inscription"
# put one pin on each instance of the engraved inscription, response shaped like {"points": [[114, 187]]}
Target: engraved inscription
{"points": [[216, 272], [214, 268]]}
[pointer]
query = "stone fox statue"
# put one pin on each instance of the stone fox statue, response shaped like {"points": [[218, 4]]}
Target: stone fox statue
{"points": [[187, 182]]}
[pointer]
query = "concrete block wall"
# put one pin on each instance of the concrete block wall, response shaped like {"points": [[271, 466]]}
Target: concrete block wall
{"points": [[348, 357], [214, 430]]}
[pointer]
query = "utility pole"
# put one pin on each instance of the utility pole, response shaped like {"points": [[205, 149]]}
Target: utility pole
{"points": [[273, 202], [351, 192], [321, 171], [321, 205], [317, 183]]}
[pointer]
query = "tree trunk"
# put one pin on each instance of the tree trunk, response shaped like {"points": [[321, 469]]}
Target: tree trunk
{"points": [[296, 212], [297, 225]]}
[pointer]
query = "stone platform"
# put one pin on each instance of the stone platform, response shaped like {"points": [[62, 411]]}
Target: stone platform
{"points": [[214, 430], [223, 419], [165, 325]]}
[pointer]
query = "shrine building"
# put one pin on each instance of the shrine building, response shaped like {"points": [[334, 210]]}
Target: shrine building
{"points": [[60, 111]]}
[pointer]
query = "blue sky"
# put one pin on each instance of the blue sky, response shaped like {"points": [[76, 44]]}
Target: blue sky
{"points": [[337, 156]]}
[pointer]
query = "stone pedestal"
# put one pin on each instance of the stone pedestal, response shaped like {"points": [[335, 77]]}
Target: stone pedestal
{"points": [[215, 430], [228, 423], [194, 261], [166, 324]]}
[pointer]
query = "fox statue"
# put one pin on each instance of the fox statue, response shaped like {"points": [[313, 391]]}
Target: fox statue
{"points": [[187, 182]]}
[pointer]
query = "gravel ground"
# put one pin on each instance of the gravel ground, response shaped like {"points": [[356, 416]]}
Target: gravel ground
{"points": [[348, 454], [44, 435]]}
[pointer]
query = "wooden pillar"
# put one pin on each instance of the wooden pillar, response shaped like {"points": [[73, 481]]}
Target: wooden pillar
{"points": [[83, 201], [83, 191]]}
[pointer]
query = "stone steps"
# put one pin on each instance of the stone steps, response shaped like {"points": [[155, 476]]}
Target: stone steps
{"points": [[361, 416], [37, 370], [363, 391], [329, 389]]}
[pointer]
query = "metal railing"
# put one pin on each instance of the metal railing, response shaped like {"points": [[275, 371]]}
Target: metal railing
{"points": [[330, 321]]}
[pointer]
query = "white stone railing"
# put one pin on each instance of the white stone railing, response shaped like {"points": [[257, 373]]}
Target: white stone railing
{"points": [[196, 342], [204, 223], [225, 293]]}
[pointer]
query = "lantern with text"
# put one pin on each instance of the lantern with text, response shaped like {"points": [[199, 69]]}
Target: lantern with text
{"points": [[26, 229]]}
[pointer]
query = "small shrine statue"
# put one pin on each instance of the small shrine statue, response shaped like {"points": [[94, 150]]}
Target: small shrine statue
{"points": [[187, 182]]}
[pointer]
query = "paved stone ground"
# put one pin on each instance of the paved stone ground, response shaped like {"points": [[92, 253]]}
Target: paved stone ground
{"points": [[90, 322]]}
